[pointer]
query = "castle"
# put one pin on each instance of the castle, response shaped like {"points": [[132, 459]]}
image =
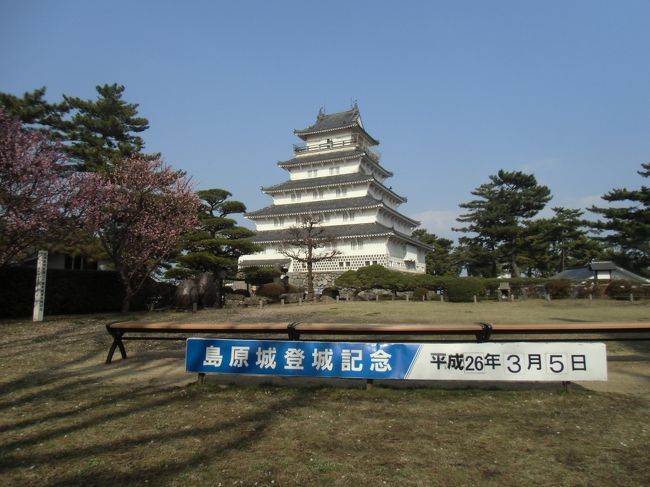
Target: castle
{"points": [[336, 177]]}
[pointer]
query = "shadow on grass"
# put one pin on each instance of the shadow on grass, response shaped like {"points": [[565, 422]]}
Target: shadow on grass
{"points": [[241, 434]]}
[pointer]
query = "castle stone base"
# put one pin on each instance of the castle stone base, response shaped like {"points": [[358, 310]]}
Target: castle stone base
{"points": [[321, 279]]}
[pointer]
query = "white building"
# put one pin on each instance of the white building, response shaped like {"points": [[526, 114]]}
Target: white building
{"points": [[336, 176]]}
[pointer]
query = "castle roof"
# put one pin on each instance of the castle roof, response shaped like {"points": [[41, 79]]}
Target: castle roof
{"points": [[344, 231], [328, 181], [332, 157], [324, 206], [335, 121]]}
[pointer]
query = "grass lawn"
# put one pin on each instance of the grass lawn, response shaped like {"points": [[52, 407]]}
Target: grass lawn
{"points": [[67, 419]]}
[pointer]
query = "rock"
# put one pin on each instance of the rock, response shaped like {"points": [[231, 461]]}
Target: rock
{"points": [[187, 292]]}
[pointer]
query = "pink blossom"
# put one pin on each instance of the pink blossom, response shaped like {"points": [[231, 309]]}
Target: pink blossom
{"points": [[139, 211]]}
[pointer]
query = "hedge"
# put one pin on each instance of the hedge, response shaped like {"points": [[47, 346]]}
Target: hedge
{"points": [[71, 292], [465, 288]]}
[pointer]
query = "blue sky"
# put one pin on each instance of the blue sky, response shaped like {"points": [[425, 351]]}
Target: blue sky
{"points": [[454, 90]]}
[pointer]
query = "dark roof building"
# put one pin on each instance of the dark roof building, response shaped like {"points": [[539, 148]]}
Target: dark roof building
{"points": [[336, 177], [601, 271]]}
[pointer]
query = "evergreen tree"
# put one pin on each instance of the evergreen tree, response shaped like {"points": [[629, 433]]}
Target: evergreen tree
{"points": [[97, 133], [217, 241], [498, 217], [557, 243], [627, 227], [35, 112], [102, 132], [442, 260]]}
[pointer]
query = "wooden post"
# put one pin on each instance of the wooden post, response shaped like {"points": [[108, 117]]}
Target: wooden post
{"points": [[591, 297], [282, 301], [337, 299], [377, 297], [475, 300], [423, 296], [631, 298], [261, 303], [39, 291], [442, 298], [201, 378], [299, 301], [407, 298]]}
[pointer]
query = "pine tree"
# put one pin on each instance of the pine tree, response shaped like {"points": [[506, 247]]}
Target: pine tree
{"points": [[35, 112], [97, 133], [102, 132], [557, 243], [441, 261], [497, 218], [217, 241], [626, 228]]}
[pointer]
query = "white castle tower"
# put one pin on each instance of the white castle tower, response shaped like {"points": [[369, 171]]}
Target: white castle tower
{"points": [[336, 176]]}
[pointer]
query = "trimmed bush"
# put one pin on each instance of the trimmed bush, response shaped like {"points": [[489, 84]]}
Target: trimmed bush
{"points": [[241, 292], [419, 293], [622, 289], [331, 292], [272, 290], [558, 288], [463, 289], [260, 275]]}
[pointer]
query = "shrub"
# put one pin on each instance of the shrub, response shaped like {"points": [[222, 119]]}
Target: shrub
{"points": [[558, 288], [241, 292], [623, 289], [332, 292], [419, 293], [463, 289], [272, 290], [260, 275]]}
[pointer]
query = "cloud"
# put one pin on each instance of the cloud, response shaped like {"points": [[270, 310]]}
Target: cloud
{"points": [[439, 222]]}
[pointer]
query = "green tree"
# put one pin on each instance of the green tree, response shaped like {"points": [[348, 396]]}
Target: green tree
{"points": [[102, 132], [626, 227], [97, 133], [217, 241], [557, 243], [442, 260], [35, 112], [497, 219]]}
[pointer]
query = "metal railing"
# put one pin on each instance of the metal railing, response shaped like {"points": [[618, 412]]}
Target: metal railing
{"points": [[304, 148]]}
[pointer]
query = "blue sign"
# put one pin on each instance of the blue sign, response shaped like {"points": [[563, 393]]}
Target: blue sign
{"points": [[535, 361], [300, 358]]}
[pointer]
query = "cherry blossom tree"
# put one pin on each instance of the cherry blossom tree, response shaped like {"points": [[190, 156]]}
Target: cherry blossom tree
{"points": [[141, 210], [37, 195]]}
